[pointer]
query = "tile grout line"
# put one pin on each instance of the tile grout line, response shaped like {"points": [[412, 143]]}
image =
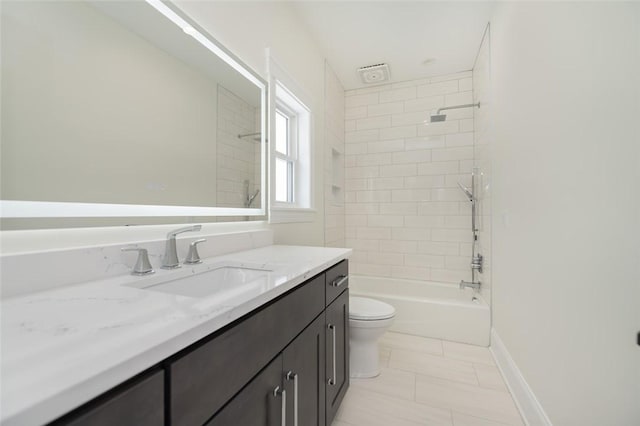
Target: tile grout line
{"points": [[475, 370], [437, 377], [480, 417]]}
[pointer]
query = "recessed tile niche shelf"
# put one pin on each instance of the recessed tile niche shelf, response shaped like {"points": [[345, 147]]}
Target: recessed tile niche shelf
{"points": [[337, 177]]}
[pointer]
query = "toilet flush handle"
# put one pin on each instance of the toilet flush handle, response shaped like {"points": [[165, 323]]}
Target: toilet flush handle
{"points": [[340, 280]]}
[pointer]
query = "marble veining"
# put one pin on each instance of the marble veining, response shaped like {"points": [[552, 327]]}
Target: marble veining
{"points": [[62, 347]]}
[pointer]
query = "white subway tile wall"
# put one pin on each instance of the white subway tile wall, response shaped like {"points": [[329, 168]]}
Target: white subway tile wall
{"points": [[334, 164], [404, 215]]}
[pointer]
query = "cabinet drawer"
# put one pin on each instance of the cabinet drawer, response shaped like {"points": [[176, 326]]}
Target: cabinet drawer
{"points": [[335, 281], [140, 404], [203, 380]]}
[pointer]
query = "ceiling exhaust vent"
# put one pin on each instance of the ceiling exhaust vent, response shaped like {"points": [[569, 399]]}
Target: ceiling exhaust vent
{"points": [[372, 74]]}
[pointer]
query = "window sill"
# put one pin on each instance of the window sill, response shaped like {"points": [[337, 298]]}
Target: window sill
{"points": [[291, 215]]}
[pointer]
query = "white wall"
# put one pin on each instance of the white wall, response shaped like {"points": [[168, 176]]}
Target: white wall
{"points": [[405, 215], [566, 170]]}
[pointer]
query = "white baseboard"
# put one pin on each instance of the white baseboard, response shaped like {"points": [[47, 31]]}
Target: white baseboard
{"points": [[530, 409]]}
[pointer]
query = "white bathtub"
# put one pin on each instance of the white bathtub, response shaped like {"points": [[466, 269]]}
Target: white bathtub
{"points": [[429, 309]]}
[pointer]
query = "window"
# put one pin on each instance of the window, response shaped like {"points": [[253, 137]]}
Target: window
{"points": [[285, 156], [290, 157]]}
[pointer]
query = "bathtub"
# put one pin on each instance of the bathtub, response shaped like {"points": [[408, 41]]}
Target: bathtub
{"points": [[429, 309]]}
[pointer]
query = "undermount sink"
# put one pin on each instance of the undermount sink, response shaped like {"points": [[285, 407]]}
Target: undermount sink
{"points": [[227, 281]]}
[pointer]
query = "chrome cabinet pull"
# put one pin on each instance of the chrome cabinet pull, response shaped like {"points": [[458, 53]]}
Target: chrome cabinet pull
{"points": [[293, 376], [339, 281], [332, 380], [277, 392]]}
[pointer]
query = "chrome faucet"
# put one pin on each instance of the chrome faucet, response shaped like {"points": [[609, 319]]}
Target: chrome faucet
{"points": [[170, 259]]}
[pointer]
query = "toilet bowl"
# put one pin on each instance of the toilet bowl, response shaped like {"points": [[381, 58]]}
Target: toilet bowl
{"points": [[368, 320]]}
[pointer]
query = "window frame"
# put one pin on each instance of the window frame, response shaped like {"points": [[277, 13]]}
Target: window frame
{"points": [[291, 157], [287, 98]]}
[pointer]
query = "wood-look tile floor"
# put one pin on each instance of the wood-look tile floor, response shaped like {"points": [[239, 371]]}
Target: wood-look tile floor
{"points": [[429, 382]]}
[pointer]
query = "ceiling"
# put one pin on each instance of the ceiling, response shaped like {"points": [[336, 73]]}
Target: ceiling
{"points": [[402, 34]]}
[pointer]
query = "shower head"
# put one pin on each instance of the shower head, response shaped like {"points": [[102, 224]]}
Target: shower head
{"points": [[467, 192], [438, 117]]}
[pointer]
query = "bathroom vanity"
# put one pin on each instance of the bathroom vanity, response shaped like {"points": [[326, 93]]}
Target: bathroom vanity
{"points": [[275, 356]]}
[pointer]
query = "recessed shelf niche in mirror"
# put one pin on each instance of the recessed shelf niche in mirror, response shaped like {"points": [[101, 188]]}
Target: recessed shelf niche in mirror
{"points": [[125, 109]]}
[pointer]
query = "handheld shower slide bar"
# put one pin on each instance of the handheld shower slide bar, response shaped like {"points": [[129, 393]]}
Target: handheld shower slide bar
{"points": [[476, 258]]}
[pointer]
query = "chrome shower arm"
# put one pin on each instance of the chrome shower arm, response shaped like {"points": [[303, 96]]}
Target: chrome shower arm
{"points": [[458, 107]]}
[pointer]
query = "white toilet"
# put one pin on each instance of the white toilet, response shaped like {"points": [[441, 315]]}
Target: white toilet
{"points": [[368, 320]]}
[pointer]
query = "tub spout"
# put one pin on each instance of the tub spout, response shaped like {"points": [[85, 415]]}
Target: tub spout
{"points": [[474, 285]]}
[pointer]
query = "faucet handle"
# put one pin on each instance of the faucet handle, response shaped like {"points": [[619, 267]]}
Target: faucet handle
{"points": [[142, 266], [193, 256]]}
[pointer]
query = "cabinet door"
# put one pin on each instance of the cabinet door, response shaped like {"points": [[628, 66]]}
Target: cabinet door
{"points": [[337, 353], [304, 376], [260, 403]]}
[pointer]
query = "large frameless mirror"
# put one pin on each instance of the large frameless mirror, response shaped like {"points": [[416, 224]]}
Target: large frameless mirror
{"points": [[125, 109]]}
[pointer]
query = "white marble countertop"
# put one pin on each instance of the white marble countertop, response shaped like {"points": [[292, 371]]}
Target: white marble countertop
{"points": [[61, 348]]}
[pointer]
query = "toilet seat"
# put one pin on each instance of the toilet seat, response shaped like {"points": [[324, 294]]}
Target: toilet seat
{"points": [[365, 309]]}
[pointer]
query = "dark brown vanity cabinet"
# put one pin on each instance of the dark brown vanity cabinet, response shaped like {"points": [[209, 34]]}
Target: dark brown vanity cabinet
{"points": [[285, 363], [314, 366], [206, 377], [290, 387]]}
